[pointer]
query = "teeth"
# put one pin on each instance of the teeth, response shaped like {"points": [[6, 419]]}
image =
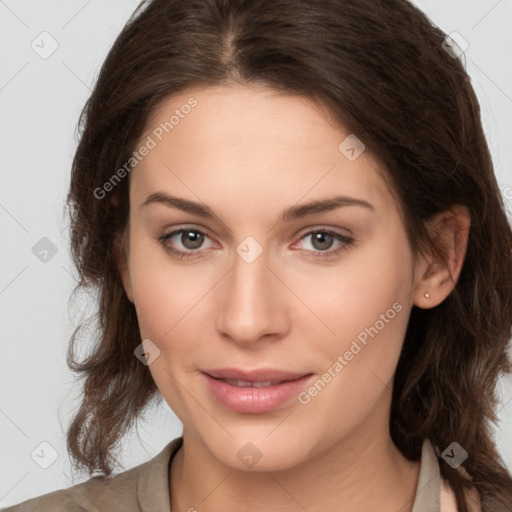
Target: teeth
{"points": [[245, 384]]}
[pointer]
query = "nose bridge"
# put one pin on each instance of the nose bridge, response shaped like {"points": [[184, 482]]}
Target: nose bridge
{"points": [[252, 306]]}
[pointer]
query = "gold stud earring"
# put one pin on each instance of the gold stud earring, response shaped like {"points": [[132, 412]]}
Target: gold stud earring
{"points": [[427, 295]]}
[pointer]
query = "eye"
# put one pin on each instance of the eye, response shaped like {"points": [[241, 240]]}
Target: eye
{"points": [[190, 239], [187, 242], [321, 241]]}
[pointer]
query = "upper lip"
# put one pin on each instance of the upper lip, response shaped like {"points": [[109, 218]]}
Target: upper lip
{"points": [[257, 375]]}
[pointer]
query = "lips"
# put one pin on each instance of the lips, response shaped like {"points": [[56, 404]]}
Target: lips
{"points": [[254, 391]]}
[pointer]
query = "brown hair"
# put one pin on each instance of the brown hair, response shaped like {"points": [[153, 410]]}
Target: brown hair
{"points": [[379, 68]]}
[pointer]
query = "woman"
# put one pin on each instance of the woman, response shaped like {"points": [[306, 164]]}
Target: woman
{"points": [[290, 212]]}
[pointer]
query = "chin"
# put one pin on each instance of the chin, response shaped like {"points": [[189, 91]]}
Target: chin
{"points": [[259, 453]]}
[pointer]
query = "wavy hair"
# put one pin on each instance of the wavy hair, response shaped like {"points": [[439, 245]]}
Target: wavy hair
{"points": [[379, 67]]}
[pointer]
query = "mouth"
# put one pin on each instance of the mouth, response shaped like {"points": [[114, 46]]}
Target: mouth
{"points": [[261, 375], [255, 395], [255, 384]]}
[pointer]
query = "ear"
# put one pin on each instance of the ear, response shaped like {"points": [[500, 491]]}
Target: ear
{"points": [[438, 270], [122, 259]]}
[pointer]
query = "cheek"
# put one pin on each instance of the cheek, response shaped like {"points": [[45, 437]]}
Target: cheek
{"points": [[352, 296], [366, 303], [164, 292], [384, 308], [166, 296], [368, 309]]}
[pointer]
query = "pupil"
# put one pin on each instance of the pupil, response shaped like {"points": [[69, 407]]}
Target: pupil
{"points": [[191, 239], [324, 239]]}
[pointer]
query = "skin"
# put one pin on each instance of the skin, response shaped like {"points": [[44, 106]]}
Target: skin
{"points": [[249, 154]]}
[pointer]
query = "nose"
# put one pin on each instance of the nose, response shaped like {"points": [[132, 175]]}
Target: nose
{"points": [[252, 302]]}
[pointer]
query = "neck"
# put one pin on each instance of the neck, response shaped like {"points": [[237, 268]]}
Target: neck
{"points": [[363, 471]]}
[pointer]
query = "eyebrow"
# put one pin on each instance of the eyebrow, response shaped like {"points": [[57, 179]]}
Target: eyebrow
{"points": [[294, 212]]}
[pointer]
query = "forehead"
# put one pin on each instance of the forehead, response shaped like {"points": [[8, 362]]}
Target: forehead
{"points": [[252, 146]]}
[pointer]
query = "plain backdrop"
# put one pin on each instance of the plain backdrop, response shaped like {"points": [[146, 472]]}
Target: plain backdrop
{"points": [[40, 100]]}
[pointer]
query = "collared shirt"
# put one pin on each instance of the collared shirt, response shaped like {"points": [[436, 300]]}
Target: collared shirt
{"points": [[145, 488]]}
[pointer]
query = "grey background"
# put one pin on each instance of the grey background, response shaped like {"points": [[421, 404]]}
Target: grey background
{"points": [[40, 100]]}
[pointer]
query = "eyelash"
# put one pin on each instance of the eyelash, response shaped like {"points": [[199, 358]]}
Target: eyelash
{"points": [[347, 243]]}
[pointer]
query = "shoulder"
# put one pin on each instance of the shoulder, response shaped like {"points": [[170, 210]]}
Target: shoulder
{"points": [[58, 501], [128, 491], [91, 495]]}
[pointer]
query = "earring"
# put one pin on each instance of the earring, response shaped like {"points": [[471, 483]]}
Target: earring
{"points": [[427, 295]]}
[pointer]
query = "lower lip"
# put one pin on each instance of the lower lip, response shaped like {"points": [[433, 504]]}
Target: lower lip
{"points": [[255, 400]]}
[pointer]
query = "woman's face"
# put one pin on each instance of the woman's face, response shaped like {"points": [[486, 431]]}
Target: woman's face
{"points": [[264, 280]]}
